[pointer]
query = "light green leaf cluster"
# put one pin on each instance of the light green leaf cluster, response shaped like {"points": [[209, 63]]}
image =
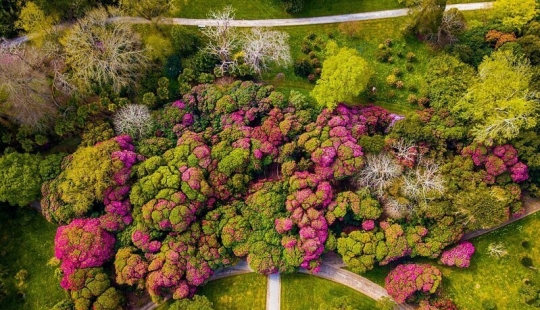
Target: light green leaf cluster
{"points": [[344, 75], [514, 14]]}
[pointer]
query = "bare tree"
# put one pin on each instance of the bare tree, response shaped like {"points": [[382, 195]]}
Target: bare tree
{"points": [[424, 181], [497, 250], [223, 39], [262, 47], [26, 95], [397, 209], [405, 150], [452, 23], [100, 53], [379, 172], [134, 120]]}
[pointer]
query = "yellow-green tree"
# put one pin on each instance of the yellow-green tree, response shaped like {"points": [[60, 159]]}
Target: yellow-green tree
{"points": [[34, 21], [499, 104], [345, 74], [515, 14]]}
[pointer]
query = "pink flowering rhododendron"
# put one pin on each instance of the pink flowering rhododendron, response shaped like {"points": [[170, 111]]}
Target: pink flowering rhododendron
{"points": [[82, 244], [459, 255], [407, 279]]}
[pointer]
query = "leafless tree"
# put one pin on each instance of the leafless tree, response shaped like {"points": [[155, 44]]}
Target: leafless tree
{"points": [[379, 172], [497, 250], [262, 47], [134, 120], [100, 53], [405, 150], [424, 181], [26, 95], [452, 23], [396, 209], [223, 39]]}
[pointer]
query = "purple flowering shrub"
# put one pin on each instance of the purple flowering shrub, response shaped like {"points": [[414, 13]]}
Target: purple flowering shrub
{"points": [[82, 244], [130, 267], [459, 255], [406, 280], [497, 160]]}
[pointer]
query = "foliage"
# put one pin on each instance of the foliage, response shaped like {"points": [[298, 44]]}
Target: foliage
{"points": [[404, 281], [344, 75], [459, 255], [197, 303], [514, 15], [426, 18], [499, 103], [20, 180], [102, 54], [147, 9], [293, 6]]}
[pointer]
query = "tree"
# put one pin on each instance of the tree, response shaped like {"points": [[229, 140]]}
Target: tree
{"points": [[408, 279], [264, 46], [452, 24], [223, 40], [26, 95], [293, 6], [102, 54], [499, 104], [147, 9], [426, 17], [9, 13], [134, 120], [196, 303], [344, 75], [379, 172], [34, 21], [514, 14]]}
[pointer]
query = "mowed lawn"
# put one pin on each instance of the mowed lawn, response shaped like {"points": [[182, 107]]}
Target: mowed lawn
{"points": [[305, 292], [27, 242], [241, 292]]}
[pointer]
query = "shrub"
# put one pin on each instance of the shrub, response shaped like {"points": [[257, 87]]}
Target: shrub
{"points": [[459, 256], [408, 279], [411, 57]]}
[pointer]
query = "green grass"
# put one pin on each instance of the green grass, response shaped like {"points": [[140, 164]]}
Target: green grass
{"points": [[26, 242], [366, 38], [266, 9], [497, 279], [242, 292], [303, 292]]}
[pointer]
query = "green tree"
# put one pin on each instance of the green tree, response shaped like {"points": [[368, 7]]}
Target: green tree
{"points": [[147, 9], [515, 14], [344, 75], [196, 303], [426, 18], [499, 104], [19, 178], [9, 13], [33, 20]]}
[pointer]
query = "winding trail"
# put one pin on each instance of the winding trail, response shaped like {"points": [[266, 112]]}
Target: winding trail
{"points": [[300, 21]]}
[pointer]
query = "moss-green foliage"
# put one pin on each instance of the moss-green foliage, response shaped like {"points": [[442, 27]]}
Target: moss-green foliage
{"points": [[21, 176], [301, 291], [196, 303], [514, 14], [26, 242], [94, 290]]}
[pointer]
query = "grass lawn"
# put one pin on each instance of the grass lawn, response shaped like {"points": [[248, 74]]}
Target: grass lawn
{"points": [[497, 279], [27, 242], [303, 292], [241, 292], [365, 36]]}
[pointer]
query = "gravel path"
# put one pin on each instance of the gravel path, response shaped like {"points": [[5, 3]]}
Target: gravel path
{"points": [[303, 21], [273, 292]]}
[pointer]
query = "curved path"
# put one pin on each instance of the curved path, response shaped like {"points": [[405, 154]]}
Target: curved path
{"points": [[300, 21]]}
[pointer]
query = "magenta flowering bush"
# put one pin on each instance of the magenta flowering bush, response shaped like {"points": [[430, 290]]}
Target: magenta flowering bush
{"points": [[406, 280], [130, 267], [498, 160], [459, 255], [82, 244]]}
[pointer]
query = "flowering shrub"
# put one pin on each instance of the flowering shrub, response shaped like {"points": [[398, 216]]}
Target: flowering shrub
{"points": [[497, 160], [404, 281], [130, 267], [82, 244], [459, 255]]}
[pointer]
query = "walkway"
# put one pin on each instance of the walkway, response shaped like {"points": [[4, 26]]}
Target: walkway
{"points": [[273, 292], [301, 21]]}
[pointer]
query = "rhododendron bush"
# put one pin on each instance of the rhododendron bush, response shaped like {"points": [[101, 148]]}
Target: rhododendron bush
{"points": [[405, 281], [235, 171]]}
